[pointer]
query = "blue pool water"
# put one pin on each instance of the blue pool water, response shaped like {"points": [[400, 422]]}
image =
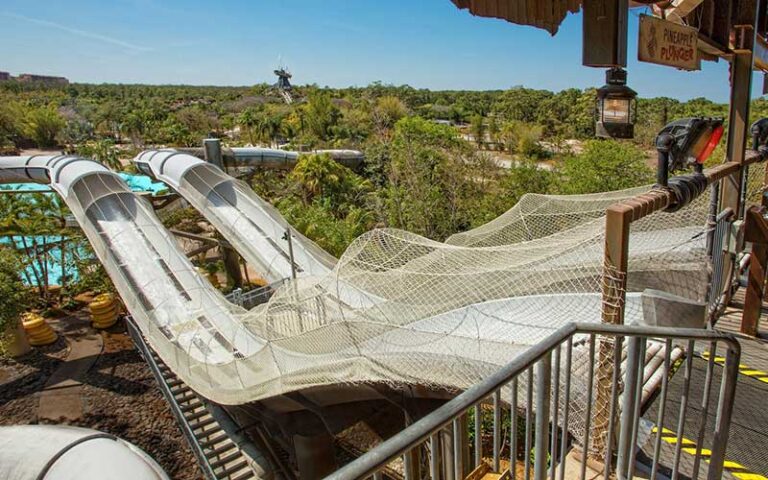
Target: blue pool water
{"points": [[143, 183], [137, 183], [53, 264]]}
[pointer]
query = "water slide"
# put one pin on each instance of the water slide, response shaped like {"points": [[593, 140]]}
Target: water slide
{"points": [[244, 158], [396, 308]]}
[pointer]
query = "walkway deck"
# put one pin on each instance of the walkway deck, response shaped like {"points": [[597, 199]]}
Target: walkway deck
{"points": [[747, 453]]}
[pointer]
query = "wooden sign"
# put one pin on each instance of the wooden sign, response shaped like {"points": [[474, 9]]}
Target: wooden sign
{"points": [[668, 43]]}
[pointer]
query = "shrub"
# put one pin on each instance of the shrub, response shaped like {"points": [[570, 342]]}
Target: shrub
{"points": [[14, 296]]}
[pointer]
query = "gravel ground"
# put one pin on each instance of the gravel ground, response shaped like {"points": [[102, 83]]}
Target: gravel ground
{"points": [[120, 397], [22, 378]]}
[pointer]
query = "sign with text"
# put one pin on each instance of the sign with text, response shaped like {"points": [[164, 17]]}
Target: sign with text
{"points": [[668, 43]]}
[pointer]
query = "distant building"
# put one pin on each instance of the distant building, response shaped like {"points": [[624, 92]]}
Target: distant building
{"points": [[48, 80], [5, 76]]}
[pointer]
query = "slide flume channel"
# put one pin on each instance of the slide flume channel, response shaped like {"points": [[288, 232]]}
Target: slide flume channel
{"points": [[395, 308]]}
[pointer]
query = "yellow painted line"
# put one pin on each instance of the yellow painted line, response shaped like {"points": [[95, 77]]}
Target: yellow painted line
{"points": [[743, 369], [689, 446]]}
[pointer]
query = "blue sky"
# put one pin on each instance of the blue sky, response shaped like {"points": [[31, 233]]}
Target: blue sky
{"points": [[424, 43]]}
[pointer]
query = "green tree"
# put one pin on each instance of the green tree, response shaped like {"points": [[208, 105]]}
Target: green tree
{"points": [[76, 131], [319, 176], [320, 114], [522, 138], [388, 110], [11, 127], [42, 125], [247, 120], [103, 151], [13, 294], [431, 185], [493, 129], [605, 165], [477, 127]]}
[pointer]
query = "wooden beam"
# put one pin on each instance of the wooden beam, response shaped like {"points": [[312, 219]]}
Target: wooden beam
{"points": [[721, 28], [605, 33], [755, 231], [200, 238]]}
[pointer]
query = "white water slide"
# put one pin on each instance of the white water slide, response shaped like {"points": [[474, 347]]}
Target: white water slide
{"points": [[396, 308]]}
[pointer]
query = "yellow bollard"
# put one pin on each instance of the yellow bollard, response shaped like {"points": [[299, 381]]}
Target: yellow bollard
{"points": [[104, 310], [38, 330]]}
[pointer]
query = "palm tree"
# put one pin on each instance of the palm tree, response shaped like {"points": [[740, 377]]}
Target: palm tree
{"points": [[247, 120]]}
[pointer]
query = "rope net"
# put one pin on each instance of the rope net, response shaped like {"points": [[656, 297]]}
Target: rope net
{"points": [[396, 308]]}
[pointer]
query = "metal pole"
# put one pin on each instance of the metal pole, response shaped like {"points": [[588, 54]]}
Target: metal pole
{"points": [[289, 239], [724, 412], [496, 430], [212, 147], [543, 386], [628, 407], [662, 168]]}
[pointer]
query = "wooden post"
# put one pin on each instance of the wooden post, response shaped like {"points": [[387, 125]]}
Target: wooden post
{"points": [[755, 231], [741, 85], [745, 17], [617, 222]]}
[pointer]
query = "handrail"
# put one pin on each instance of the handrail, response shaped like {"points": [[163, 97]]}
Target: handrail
{"points": [[430, 425], [186, 429]]}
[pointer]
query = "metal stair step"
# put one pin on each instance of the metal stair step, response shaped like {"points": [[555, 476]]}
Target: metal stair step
{"points": [[186, 397], [243, 476], [225, 447], [196, 415], [190, 406], [175, 383], [233, 468], [202, 424], [221, 462], [210, 442]]}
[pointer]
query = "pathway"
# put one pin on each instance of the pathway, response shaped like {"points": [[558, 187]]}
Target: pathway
{"points": [[60, 399]]}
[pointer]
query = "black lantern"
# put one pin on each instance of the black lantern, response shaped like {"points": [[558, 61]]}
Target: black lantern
{"points": [[616, 106]]}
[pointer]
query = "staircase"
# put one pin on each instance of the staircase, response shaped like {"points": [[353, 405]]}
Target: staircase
{"points": [[208, 429]]}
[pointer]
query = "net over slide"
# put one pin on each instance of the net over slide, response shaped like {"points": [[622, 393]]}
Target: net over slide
{"points": [[395, 308]]}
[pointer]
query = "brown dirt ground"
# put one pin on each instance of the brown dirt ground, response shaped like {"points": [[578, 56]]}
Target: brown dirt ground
{"points": [[119, 394]]}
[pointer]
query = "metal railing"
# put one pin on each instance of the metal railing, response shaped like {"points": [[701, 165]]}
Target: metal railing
{"points": [[718, 249], [538, 437], [256, 296], [178, 414]]}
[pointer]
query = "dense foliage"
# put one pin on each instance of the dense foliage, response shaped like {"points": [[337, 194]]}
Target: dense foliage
{"points": [[36, 225], [437, 162], [13, 295]]}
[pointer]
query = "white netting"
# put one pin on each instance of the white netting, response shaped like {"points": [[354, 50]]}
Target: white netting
{"points": [[396, 307]]}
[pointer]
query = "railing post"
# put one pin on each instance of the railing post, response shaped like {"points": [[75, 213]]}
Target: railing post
{"points": [[459, 442], [447, 445], [496, 430], [628, 407], [724, 412], [434, 457], [541, 444], [617, 223]]}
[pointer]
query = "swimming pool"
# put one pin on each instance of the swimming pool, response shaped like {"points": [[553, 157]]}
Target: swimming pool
{"points": [[137, 183]]}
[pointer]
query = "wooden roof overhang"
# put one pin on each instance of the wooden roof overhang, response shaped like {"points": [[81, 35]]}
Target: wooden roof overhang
{"points": [[724, 26]]}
